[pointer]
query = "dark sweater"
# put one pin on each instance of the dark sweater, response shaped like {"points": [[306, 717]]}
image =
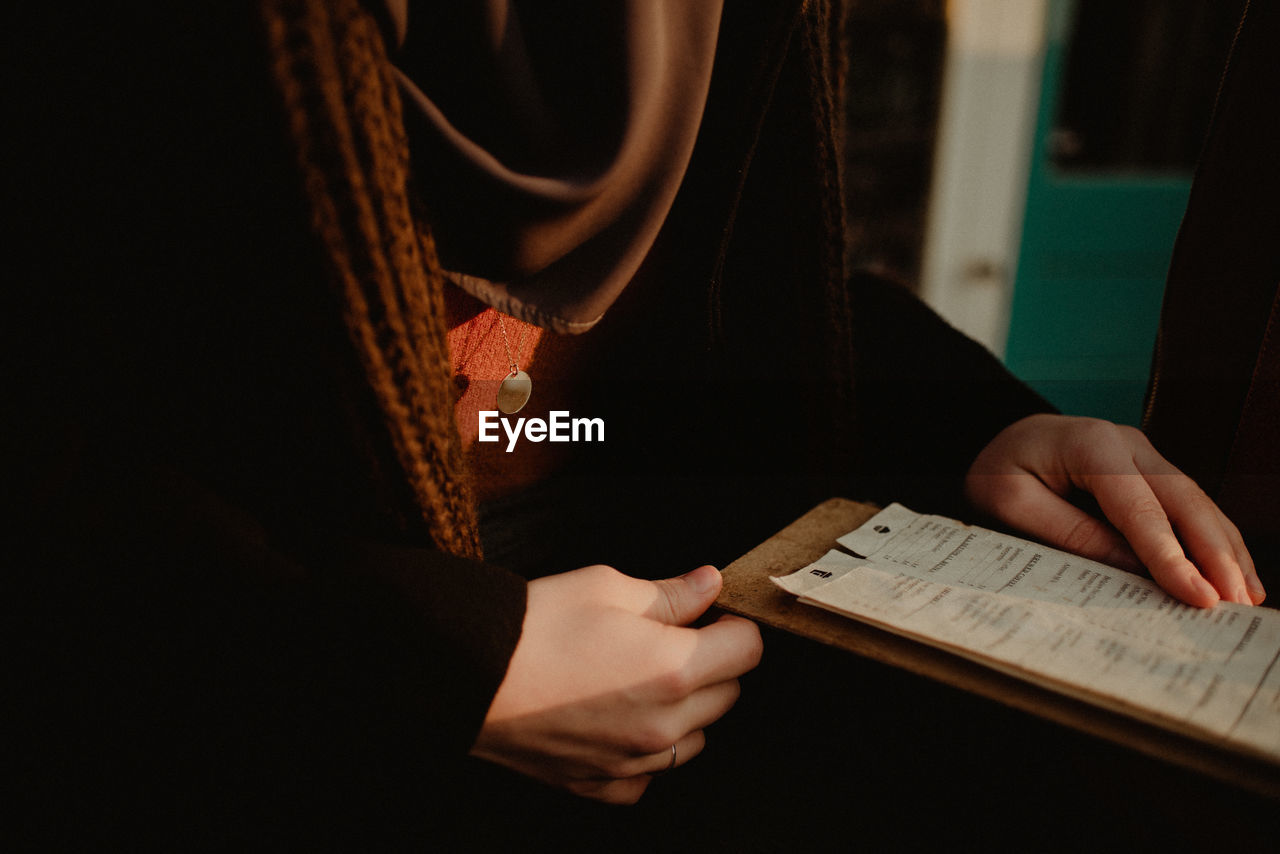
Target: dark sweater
{"points": [[1214, 403], [228, 618]]}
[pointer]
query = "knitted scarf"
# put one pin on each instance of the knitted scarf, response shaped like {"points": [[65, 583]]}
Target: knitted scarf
{"points": [[344, 120]]}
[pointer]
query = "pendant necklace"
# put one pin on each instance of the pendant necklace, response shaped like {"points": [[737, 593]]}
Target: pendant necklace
{"points": [[516, 387]]}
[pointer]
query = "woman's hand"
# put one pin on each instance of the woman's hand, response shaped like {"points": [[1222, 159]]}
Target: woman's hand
{"points": [[1158, 517], [607, 677]]}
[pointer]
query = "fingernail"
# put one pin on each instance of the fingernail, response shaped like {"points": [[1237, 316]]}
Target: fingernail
{"points": [[1208, 590], [1256, 589], [703, 579]]}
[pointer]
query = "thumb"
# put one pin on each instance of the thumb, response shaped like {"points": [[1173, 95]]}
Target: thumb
{"points": [[683, 599]]}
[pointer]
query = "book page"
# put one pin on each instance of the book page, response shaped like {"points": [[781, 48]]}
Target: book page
{"points": [[1059, 620]]}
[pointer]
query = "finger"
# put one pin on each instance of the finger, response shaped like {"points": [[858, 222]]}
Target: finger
{"points": [[621, 792], [1199, 525], [685, 750], [707, 705], [1030, 507], [724, 650], [635, 776], [1212, 540], [1129, 503], [657, 762], [1251, 578], [681, 600]]}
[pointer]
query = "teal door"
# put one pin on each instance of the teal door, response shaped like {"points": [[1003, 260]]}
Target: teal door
{"points": [[1126, 95]]}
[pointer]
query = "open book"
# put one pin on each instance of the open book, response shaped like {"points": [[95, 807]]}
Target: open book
{"points": [[1060, 621]]}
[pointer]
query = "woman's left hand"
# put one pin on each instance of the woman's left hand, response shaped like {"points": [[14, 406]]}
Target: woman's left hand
{"points": [[1024, 476]]}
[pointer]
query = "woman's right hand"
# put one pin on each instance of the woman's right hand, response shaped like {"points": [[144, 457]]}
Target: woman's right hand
{"points": [[608, 675]]}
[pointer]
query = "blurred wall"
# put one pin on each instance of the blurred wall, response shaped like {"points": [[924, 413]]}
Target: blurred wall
{"points": [[995, 50]]}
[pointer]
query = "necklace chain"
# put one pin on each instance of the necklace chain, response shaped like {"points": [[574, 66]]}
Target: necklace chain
{"points": [[506, 343]]}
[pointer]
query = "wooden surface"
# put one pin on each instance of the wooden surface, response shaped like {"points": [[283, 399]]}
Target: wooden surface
{"points": [[749, 592]]}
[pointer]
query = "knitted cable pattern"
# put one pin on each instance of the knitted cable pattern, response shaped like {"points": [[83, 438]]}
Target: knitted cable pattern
{"points": [[344, 119]]}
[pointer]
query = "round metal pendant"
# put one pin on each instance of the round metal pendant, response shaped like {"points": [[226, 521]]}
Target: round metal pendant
{"points": [[514, 392]]}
